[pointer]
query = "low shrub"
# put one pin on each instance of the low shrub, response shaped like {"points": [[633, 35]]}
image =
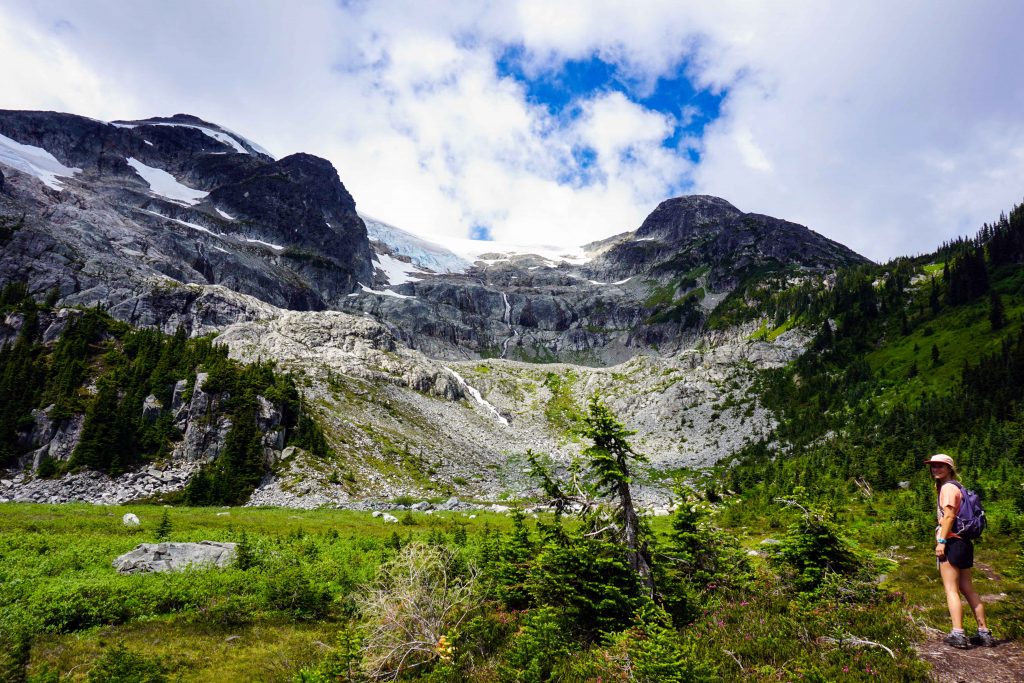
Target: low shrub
{"points": [[120, 665]]}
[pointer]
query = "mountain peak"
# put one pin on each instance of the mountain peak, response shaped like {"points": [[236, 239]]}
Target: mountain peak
{"points": [[187, 119], [682, 215]]}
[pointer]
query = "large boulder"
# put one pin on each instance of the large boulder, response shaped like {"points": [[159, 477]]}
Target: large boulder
{"points": [[175, 557]]}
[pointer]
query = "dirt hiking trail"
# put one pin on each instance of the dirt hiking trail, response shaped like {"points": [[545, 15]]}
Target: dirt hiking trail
{"points": [[1003, 663]]}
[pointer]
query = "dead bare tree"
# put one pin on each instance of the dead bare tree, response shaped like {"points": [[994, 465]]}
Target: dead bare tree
{"points": [[412, 609]]}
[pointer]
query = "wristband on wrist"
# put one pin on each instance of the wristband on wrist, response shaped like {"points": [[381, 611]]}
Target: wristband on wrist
{"points": [[941, 540]]}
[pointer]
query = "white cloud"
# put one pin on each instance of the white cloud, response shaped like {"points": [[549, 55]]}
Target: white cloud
{"points": [[41, 73], [753, 156], [889, 127]]}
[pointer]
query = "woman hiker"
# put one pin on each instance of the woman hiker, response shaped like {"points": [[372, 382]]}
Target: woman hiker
{"points": [[955, 556]]}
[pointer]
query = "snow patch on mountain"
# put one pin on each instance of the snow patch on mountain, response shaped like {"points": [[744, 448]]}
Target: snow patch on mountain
{"points": [[193, 226], [424, 254], [454, 255], [275, 247], [252, 145], [475, 250], [34, 161], [218, 135], [164, 184], [381, 292], [398, 272]]}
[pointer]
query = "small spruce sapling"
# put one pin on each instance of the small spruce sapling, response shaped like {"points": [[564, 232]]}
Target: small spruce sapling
{"points": [[163, 528], [245, 555]]}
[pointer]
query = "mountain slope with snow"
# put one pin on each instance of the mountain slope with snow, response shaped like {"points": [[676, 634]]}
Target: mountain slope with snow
{"points": [[422, 253]]}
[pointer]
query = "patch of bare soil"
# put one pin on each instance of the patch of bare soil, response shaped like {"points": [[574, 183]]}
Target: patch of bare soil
{"points": [[1003, 663]]}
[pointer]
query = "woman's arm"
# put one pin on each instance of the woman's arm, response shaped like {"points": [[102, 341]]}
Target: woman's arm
{"points": [[945, 528]]}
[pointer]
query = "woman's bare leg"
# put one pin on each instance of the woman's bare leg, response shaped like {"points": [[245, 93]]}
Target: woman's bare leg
{"points": [[951, 584], [966, 586]]}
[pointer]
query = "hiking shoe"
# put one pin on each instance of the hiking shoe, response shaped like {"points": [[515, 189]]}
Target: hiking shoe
{"points": [[958, 640], [984, 639]]}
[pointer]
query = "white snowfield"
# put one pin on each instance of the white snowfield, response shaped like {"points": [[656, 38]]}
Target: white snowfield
{"points": [[398, 272], [454, 255], [423, 253], [35, 161], [164, 184], [225, 215], [473, 250]]}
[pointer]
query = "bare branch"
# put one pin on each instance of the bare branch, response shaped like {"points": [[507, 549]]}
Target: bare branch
{"points": [[735, 658], [856, 642], [793, 503]]}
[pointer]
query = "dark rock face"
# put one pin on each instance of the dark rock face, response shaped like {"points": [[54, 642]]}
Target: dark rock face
{"points": [[689, 233], [301, 202], [283, 231], [646, 291]]}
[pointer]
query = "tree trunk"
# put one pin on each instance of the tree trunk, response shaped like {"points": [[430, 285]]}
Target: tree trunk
{"points": [[631, 530]]}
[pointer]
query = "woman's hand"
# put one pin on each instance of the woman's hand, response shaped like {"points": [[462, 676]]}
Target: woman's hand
{"points": [[940, 550]]}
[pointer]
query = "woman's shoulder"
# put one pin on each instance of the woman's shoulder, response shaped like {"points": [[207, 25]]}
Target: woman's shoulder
{"points": [[950, 489]]}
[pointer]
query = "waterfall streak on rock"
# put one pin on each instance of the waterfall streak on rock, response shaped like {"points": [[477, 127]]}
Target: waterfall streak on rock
{"points": [[507, 319], [477, 397]]}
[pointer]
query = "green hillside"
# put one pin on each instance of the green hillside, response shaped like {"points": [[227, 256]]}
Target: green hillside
{"points": [[911, 357]]}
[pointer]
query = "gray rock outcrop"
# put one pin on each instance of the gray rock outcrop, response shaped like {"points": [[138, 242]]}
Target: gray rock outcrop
{"points": [[325, 342], [175, 557]]}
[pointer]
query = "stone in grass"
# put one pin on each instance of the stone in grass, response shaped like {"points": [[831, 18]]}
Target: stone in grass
{"points": [[130, 519], [174, 557]]}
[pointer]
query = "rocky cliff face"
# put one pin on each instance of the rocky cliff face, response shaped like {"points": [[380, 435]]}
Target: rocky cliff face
{"points": [[402, 423], [124, 213], [648, 291]]}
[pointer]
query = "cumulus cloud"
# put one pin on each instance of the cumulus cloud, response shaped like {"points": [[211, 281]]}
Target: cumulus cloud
{"points": [[887, 127]]}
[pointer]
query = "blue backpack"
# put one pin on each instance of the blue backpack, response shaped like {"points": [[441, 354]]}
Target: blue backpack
{"points": [[970, 521]]}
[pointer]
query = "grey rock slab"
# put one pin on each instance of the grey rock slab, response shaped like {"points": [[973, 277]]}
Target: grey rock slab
{"points": [[172, 557]]}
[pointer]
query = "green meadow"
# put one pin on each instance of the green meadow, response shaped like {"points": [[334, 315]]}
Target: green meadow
{"points": [[67, 615]]}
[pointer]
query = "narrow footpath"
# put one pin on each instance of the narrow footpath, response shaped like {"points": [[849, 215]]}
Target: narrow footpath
{"points": [[1003, 663]]}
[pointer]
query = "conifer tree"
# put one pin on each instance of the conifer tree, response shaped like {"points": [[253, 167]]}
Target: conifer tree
{"points": [[996, 313], [609, 458], [163, 529]]}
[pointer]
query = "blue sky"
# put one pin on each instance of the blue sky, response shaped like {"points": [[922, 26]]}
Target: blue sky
{"points": [[889, 127], [559, 87]]}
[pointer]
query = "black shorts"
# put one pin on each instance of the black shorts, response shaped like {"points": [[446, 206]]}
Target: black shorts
{"points": [[959, 552]]}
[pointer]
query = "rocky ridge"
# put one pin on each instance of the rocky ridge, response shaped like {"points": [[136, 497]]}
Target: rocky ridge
{"points": [[144, 207], [129, 214], [403, 424], [421, 365], [649, 291]]}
